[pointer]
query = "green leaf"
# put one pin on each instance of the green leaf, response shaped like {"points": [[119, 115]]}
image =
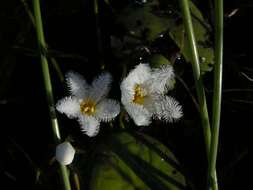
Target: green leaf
{"points": [[142, 23], [136, 161], [146, 23]]}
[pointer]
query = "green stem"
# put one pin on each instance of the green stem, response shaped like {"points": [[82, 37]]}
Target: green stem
{"points": [[48, 86], [198, 81], [121, 123], [53, 60], [196, 73], [217, 91]]}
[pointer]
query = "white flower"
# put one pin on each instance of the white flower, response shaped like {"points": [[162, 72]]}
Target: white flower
{"points": [[143, 95], [65, 153], [87, 103]]}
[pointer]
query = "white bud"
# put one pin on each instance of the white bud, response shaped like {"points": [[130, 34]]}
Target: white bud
{"points": [[65, 153]]}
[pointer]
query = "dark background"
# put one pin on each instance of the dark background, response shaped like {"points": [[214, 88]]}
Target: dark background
{"points": [[26, 138]]}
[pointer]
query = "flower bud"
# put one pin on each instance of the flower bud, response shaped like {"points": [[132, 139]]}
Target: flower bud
{"points": [[65, 153]]}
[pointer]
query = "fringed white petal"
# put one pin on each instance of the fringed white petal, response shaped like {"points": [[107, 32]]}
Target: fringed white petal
{"points": [[89, 125], [126, 95], [65, 153], [77, 84], [100, 87], [69, 106], [107, 110], [149, 102], [168, 108], [139, 75], [162, 79], [139, 114]]}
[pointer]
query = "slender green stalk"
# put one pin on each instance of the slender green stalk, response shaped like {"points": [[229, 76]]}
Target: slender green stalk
{"points": [[48, 87], [218, 4], [196, 73], [198, 82], [53, 60]]}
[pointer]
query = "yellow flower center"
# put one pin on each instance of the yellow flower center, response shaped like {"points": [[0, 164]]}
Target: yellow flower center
{"points": [[139, 95], [87, 107]]}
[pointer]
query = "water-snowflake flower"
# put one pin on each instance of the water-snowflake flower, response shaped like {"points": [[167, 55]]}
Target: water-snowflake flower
{"points": [[144, 95], [88, 103]]}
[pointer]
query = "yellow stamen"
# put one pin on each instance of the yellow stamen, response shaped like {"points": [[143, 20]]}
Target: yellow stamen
{"points": [[139, 95], [87, 107]]}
